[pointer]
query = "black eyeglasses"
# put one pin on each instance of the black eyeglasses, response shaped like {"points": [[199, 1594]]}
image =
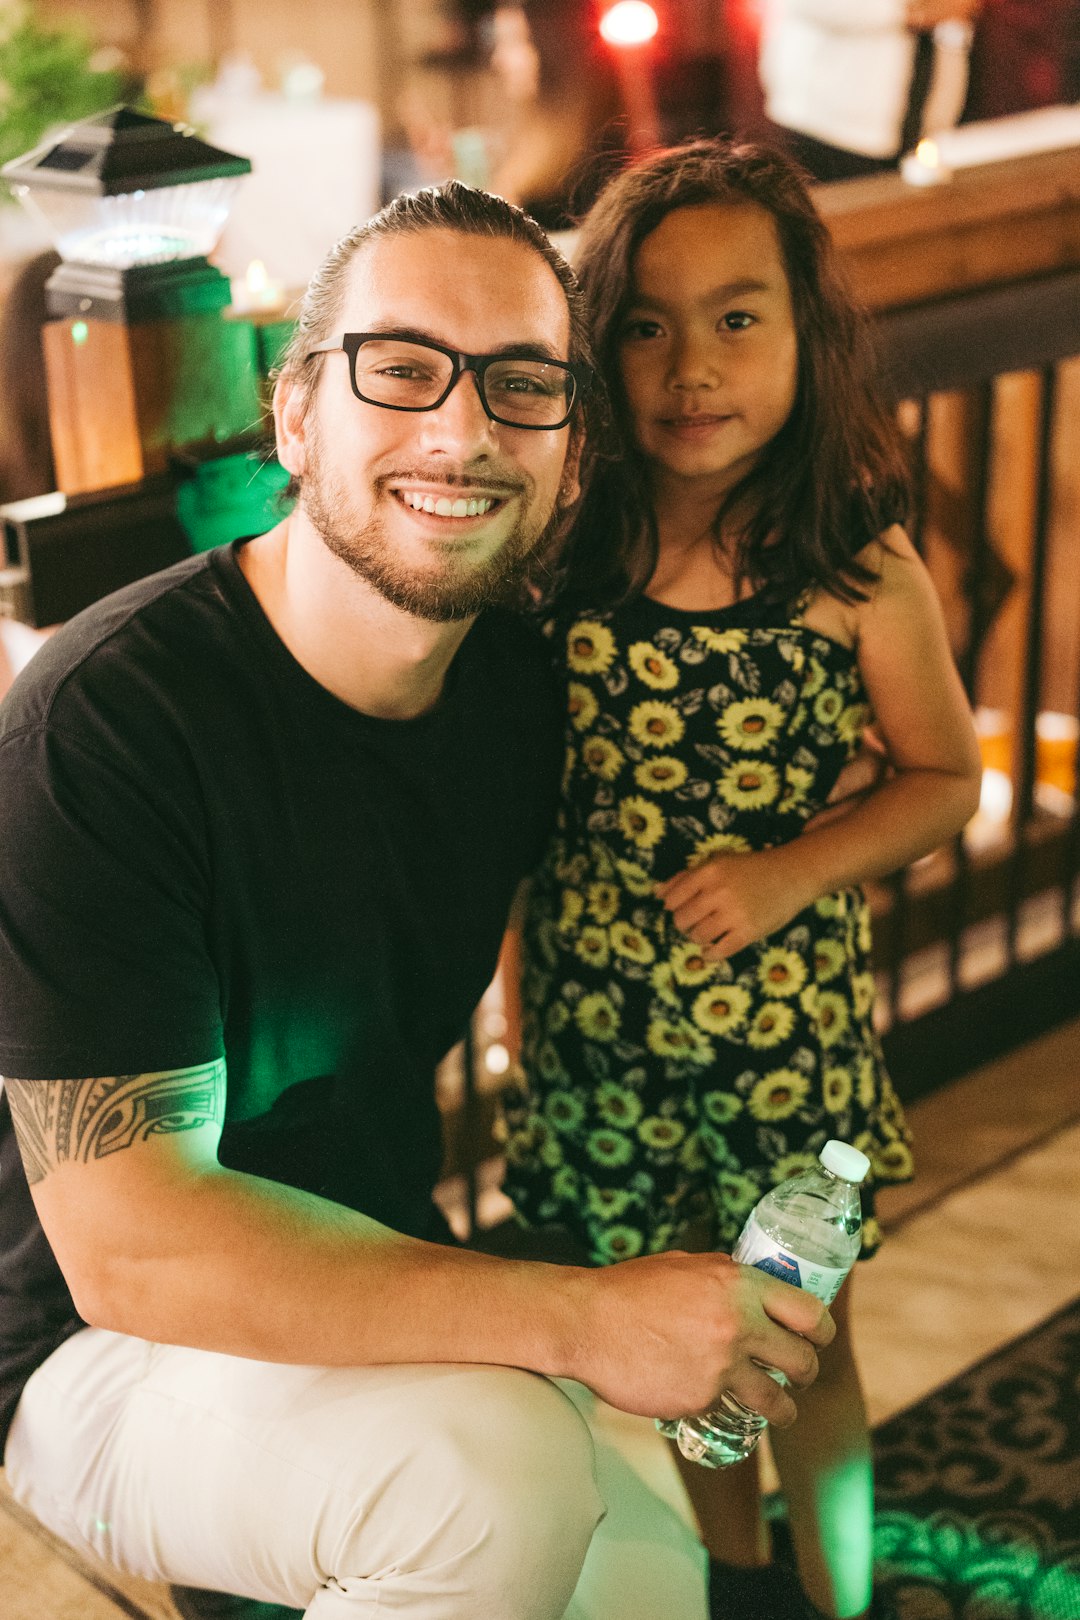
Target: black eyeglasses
{"points": [[405, 373]]}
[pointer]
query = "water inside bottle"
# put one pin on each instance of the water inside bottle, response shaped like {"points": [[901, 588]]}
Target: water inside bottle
{"points": [[721, 1437], [808, 1223]]}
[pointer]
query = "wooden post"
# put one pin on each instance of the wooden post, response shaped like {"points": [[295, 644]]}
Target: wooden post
{"points": [[93, 415], [123, 398]]}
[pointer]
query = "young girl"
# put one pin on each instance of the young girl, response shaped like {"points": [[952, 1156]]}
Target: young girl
{"points": [[737, 600]]}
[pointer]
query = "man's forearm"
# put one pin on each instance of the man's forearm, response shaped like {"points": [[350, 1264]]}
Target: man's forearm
{"points": [[265, 1271], [157, 1239]]}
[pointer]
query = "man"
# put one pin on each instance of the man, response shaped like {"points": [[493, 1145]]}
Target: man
{"points": [[261, 819]]}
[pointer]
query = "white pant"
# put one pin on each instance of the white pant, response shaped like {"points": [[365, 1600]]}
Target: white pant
{"points": [[437, 1492]]}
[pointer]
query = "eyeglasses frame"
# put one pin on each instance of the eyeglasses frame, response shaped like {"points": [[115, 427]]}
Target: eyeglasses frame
{"points": [[349, 343]]}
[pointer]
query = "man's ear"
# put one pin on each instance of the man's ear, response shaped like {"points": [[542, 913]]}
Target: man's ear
{"points": [[570, 484], [289, 423]]}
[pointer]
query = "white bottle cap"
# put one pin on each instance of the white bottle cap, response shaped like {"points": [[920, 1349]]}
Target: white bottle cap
{"points": [[844, 1161]]}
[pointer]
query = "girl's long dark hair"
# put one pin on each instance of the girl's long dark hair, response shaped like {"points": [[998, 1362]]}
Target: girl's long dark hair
{"points": [[834, 477]]}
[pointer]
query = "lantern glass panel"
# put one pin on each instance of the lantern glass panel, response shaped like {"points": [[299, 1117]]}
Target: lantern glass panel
{"points": [[139, 227]]}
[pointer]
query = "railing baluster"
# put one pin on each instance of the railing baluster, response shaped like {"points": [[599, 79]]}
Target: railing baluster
{"points": [[468, 1119], [958, 908], [897, 937], [1071, 853], [980, 615], [1025, 777], [920, 477], [975, 578]]}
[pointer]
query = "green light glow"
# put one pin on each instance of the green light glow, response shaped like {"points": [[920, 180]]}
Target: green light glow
{"points": [[79, 333], [995, 1566], [845, 1508]]}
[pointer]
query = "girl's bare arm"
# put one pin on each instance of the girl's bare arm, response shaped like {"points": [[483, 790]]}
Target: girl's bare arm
{"points": [[922, 715], [923, 718]]}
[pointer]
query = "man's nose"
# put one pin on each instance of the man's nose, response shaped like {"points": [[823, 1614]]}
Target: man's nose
{"points": [[460, 425]]}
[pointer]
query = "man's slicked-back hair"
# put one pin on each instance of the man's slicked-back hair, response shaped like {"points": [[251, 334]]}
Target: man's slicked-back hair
{"points": [[452, 206]]}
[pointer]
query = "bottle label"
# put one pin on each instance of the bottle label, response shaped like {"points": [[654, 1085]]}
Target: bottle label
{"points": [[756, 1248]]}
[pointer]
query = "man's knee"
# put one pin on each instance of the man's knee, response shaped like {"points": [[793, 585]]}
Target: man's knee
{"points": [[537, 1461], [526, 1494], [499, 1488]]}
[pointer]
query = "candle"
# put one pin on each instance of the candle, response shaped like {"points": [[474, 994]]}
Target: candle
{"points": [[257, 290], [924, 167]]}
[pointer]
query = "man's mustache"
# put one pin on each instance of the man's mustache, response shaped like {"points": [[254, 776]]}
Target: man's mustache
{"points": [[499, 483]]}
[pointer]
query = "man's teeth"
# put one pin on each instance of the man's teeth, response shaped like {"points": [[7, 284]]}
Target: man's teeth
{"points": [[444, 507]]}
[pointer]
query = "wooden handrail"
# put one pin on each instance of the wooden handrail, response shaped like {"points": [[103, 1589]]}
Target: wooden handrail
{"points": [[986, 226]]}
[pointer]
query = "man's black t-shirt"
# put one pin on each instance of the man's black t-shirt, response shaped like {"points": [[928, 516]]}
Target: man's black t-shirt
{"points": [[203, 853]]}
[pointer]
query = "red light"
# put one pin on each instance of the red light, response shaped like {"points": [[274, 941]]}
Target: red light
{"points": [[631, 22]]}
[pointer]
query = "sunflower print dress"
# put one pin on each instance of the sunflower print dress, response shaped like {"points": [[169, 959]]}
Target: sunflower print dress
{"points": [[659, 1089]]}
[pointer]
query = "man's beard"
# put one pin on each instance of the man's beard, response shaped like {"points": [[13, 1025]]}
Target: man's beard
{"points": [[455, 590]]}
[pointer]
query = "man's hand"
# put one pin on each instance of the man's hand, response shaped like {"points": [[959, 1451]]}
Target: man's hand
{"points": [[731, 900], [664, 1336]]}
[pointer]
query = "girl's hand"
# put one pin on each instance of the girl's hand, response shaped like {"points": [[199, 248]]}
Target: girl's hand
{"points": [[729, 901]]}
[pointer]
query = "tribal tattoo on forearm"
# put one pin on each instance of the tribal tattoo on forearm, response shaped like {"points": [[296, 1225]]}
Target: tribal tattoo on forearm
{"points": [[57, 1121]]}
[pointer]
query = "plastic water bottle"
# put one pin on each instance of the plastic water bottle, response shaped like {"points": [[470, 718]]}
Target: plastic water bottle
{"points": [[807, 1231]]}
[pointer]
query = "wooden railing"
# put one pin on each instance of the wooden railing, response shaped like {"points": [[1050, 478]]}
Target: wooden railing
{"points": [[975, 290]]}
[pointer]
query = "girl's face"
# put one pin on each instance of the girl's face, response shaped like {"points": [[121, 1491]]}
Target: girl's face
{"points": [[708, 351]]}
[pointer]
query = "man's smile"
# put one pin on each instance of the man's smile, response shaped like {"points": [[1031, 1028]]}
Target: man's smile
{"points": [[463, 504], [451, 506]]}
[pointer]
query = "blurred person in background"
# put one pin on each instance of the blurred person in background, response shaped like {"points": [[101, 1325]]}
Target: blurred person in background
{"points": [[852, 84], [562, 109], [544, 106]]}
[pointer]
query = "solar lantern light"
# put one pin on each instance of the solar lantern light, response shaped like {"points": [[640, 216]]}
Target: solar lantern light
{"points": [[133, 205], [138, 360]]}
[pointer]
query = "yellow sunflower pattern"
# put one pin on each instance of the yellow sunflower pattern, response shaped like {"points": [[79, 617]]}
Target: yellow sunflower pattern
{"points": [[661, 1088]]}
